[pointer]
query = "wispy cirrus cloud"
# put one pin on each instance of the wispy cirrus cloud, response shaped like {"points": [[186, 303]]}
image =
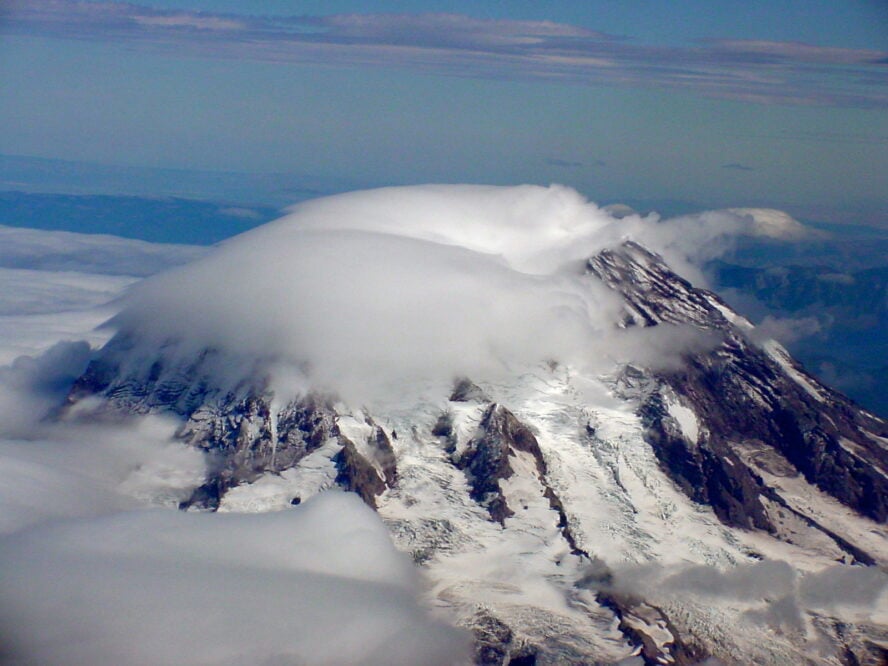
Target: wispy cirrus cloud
{"points": [[756, 71], [567, 164], [736, 166], [788, 52], [833, 137]]}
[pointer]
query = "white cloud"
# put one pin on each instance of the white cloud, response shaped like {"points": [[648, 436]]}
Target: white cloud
{"points": [[81, 471], [88, 253], [770, 223], [320, 583], [373, 290], [192, 21], [787, 329], [688, 241], [757, 71], [773, 593], [837, 278], [316, 584], [839, 585], [241, 212], [57, 285], [31, 386], [796, 51]]}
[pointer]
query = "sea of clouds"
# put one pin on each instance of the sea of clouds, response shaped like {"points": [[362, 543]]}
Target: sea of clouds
{"points": [[366, 290]]}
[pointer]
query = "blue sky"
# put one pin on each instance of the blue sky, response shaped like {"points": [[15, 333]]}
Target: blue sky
{"points": [[711, 103]]}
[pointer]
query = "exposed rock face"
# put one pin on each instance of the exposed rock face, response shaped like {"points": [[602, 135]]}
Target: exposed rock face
{"points": [[549, 484], [244, 432], [246, 439], [660, 641], [466, 390], [712, 474], [486, 459], [384, 453], [486, 463], [358, 474]]}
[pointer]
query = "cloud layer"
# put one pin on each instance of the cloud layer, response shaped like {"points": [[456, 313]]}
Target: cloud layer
{"points": [[36, 249], [56, 285], [756, 71], [318, 584], [771, 592]]}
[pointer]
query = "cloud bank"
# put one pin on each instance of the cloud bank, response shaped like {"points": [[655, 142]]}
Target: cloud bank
{"points": [[756, 71], [35, 249], [771, 593], [93, 577], [318, 584], [56, 285]]}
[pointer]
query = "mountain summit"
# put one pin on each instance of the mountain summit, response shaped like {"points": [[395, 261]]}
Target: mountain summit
{"points": [[592, 460]]}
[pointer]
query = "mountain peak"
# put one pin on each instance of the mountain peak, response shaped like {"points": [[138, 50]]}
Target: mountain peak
{"points": [[776, 224], [565, 452]]}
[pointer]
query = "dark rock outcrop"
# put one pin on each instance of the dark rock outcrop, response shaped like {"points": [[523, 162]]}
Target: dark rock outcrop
{"points": [[496, 644], [357, 474], [486, 462], [244, 439], [371, 474], [648, 627], [244, 433], [486, 457], [466, 390], [710, 474]]}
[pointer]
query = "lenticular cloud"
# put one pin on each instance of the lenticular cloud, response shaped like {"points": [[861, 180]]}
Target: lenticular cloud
{"points": [[370, 289], [366, 291], [532, 229]]}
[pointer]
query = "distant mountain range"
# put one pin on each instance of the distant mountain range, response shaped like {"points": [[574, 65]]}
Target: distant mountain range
{"points": [[158, 220]]}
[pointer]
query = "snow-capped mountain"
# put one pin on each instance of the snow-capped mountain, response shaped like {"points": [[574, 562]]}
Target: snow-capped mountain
{"points": [[637, 476]]}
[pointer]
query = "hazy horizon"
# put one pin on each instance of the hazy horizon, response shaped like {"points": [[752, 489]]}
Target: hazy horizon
{"points": [[709, 105]]}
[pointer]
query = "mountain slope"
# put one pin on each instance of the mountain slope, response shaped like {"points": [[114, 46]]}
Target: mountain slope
{"points": [[536, 502], [752, 409]]}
